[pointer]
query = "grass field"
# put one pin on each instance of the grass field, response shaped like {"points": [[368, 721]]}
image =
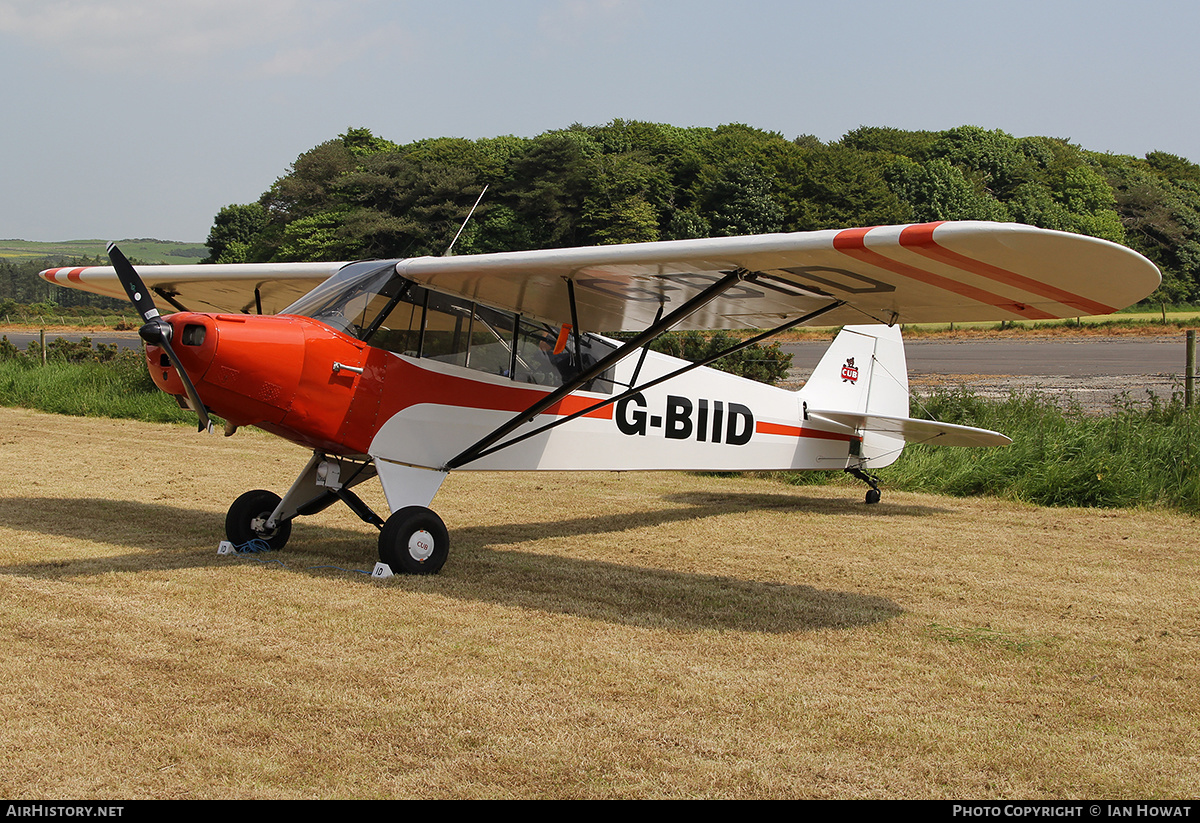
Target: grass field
{"points": [[593, 635], [142, 249]]}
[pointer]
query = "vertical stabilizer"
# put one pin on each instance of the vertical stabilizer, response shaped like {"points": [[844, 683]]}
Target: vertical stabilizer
{"points": [[863, 372]]}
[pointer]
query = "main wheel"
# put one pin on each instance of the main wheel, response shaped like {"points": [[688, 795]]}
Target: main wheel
{"points": [[873, 496], [414, 540], [247, 520]]}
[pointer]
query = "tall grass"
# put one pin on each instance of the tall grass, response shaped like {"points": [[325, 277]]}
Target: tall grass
{"points": [[120, 388], [1142, 453]]}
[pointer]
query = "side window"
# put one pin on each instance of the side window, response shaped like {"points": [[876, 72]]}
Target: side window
{"points": [[492, 341], [541, 360], [400, 331], [447, 332], [455, 330]]}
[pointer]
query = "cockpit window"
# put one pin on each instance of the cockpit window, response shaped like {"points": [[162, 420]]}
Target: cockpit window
{"points": [[371, 302]]}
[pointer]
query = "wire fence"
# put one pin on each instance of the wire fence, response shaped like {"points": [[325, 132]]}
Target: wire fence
{"points": [[1093, 394], [81, 321]]}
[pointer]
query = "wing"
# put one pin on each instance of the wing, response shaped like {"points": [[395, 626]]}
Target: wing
{"points": [[934, 272], [927, 273], [216, 288]]}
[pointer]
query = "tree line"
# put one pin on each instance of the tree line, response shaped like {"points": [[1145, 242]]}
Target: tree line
{"points": [[23, 292], [361, 196]]}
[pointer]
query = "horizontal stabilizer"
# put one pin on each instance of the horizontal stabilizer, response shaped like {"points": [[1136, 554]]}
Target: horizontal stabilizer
{"points": [[912, 430]]}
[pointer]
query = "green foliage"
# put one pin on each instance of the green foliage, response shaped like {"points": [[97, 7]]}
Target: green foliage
{"points": [[233, 232], [119, 386], [938, 190], [1161, 219], [887, 140], [1144, 453], [740, 201], [632, 181], [844, 187], [766, 364], [361, 142], [994, 158]]}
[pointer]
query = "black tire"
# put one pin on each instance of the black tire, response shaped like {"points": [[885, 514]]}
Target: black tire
{"points": [[414, 540], [251, 506], [873, 496]]}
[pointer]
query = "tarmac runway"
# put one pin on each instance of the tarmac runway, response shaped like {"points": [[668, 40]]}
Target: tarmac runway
{"points": [[1094, 372]]}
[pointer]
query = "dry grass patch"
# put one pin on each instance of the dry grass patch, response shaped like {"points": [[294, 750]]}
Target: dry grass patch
{"points": [[595, 635]]}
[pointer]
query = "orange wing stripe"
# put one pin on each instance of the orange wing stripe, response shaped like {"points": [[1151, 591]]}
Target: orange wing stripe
{"points": [[920, 239], [852, 242]]}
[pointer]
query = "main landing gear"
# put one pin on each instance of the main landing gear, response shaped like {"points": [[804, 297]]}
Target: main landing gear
{"points": [[873, 493], [247, 521], [413, 540]]}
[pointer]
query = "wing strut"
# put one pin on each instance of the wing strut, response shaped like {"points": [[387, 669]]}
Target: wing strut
{"points": [[575, 319], [696, 303], [484, 452], [170, 298]]}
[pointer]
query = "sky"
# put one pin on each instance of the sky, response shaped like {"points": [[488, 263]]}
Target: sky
{"points": [[132, 118]]}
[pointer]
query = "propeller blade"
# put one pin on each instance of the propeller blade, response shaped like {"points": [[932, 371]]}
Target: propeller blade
{"points": [[193, 396], [132, 283], [156, 331]]}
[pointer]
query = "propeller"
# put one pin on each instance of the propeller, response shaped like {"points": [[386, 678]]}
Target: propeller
{"points": [[156, 331]]}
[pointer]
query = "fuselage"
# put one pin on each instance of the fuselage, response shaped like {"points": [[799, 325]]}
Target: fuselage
{"points": [[326, 390]]}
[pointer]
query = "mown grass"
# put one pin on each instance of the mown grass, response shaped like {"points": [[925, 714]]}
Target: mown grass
{"points": [[594, 635]]}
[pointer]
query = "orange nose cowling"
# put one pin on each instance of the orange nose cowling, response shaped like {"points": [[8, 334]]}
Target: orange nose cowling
{"points": [[274, 372], [196, 353]]}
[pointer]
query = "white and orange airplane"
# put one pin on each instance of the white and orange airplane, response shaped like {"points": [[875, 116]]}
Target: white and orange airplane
{"points": [[408, 369]]}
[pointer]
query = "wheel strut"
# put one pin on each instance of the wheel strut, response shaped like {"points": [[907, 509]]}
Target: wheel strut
{"points": [[873, 493]]}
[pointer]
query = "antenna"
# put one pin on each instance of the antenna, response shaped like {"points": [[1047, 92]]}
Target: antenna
{"points": [[464, 223]]}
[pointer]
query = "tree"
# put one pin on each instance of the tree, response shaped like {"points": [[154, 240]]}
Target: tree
{"points": [[937, 190], [994, 156], [741, 201], [234, 230], [846, 187]]}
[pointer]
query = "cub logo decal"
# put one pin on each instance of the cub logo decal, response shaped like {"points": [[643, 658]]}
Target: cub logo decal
{"points": [[849, 371]]}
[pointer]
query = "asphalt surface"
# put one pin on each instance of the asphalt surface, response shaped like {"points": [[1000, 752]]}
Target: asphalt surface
{"points": [[125, 339], [1093, 373], [1034, 357]]}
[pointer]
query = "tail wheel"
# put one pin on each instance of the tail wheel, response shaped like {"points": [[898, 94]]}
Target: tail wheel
{"points": [[247, 520], [414, 540]]}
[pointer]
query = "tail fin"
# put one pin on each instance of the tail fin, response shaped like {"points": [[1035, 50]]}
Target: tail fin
{"points": [[864, 370], [863, 374], [862, 384]]}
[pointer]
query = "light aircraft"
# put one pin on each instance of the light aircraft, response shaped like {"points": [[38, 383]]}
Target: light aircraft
{"points": [[408, 369]]}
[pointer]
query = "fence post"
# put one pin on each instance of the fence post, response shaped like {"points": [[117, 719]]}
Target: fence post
{"points": [[1189, 374], [42, 341]]}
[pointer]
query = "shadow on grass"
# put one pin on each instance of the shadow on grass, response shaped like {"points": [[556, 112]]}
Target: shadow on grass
{"points": [[480, 569]]}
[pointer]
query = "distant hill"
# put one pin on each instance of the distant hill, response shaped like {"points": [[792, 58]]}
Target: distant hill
{"points": [[142, 249]]}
